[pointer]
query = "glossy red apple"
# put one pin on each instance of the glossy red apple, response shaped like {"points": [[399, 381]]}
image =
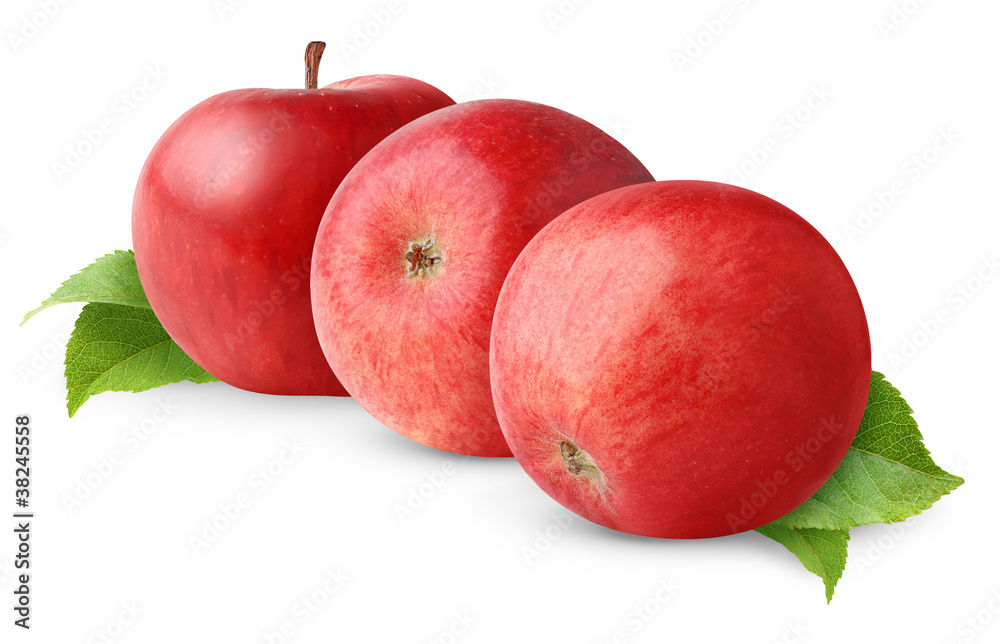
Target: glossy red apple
{"points": [[680, 359], [226, 212], [416, 242]]}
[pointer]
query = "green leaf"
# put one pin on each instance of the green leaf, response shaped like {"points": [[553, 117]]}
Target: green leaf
{"points": [[822, 552], [116, 347], [117, 343], [112, 279], [886, 476]]}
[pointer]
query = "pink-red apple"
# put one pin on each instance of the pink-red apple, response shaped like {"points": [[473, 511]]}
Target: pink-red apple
{"points": [[680, 359], [414, 247], [226, 212]]}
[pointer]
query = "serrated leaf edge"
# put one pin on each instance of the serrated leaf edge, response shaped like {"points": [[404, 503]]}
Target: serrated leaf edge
{"points": [[829, 584], [53, 301], [87, 393]]}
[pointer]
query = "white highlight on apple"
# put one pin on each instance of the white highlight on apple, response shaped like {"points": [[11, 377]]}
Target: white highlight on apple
{"points": [[955, 300], [122, 107], [913, 170], [248, 149], [785, 128]]}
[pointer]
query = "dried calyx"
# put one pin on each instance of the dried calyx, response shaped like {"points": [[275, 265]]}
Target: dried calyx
{"points": [[423, 258], [578, 462]]}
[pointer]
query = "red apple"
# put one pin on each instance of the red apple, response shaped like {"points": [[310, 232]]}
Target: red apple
{"points": [[226, 212], [680, 359], [416, 242]]}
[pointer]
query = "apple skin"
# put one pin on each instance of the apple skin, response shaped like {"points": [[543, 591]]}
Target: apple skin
{"points": [[414, 247], [681, 359], [225, 216]]}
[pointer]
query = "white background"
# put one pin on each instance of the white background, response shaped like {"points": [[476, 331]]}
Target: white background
{"points": [[462, 553]]}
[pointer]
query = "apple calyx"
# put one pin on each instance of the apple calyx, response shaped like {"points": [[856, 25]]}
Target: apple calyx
{"points": [[579, 463], [423, 258], [314, 52]]}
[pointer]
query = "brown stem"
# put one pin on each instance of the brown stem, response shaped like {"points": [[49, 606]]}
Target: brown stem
{"points": [[314, 51]]}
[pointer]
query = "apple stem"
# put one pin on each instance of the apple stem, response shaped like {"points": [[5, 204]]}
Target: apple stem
{"points": [[314, 52]]}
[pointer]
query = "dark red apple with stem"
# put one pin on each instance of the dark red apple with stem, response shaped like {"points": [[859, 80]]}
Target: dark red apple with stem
{"points": [[416, 242], [226, 212], [680, 359]]}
